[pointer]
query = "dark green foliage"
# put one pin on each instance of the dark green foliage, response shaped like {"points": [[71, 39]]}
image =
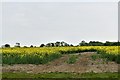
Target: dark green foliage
{"points": [[109, 57], [72, 59], [42, 45], [97, 43], [28, 58], [62, 76], [7, 45], [31, 46]]}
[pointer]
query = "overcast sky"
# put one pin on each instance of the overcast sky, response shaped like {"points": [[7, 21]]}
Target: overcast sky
{"points": [[42, 22]]}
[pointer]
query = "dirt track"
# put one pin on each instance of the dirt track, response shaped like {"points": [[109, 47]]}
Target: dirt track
{"points": [[82, 65]]}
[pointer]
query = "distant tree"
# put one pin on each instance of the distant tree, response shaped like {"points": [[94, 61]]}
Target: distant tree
{"points": [[17, 45], [114, 44], [118, 43], [83, 43], [52, 44], [48, 45], [107, 43], [42, 45], [63, 43], [71, 45], [66, 44], [31, 46], [7, 45], [95, 43], [57, 44]]}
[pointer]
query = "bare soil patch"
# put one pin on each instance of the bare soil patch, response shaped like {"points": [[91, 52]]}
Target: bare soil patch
{"points": [[84, 64]]}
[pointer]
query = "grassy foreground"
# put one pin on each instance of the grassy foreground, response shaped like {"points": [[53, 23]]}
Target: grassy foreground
{"points": [[60, 75]]}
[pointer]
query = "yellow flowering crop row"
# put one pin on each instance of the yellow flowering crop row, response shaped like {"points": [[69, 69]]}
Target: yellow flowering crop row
{"points": [[50, 50]]}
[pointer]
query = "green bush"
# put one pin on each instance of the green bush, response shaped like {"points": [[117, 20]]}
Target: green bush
{"points": [[72, 59], [110, 57]]}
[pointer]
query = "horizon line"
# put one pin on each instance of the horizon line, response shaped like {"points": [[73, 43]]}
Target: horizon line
{"points": [[59, 41]]}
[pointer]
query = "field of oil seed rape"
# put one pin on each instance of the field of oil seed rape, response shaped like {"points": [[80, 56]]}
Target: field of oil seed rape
{"points": [[42, 55]]}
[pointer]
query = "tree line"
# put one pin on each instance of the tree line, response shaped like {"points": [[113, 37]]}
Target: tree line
{"points": [[64, 44], [97, 43]]}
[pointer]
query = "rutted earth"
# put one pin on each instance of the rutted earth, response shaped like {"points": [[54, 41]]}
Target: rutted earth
{"points": [[84, 64]]}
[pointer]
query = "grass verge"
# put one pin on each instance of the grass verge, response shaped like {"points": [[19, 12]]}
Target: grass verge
{"points": [[60, 75]]}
